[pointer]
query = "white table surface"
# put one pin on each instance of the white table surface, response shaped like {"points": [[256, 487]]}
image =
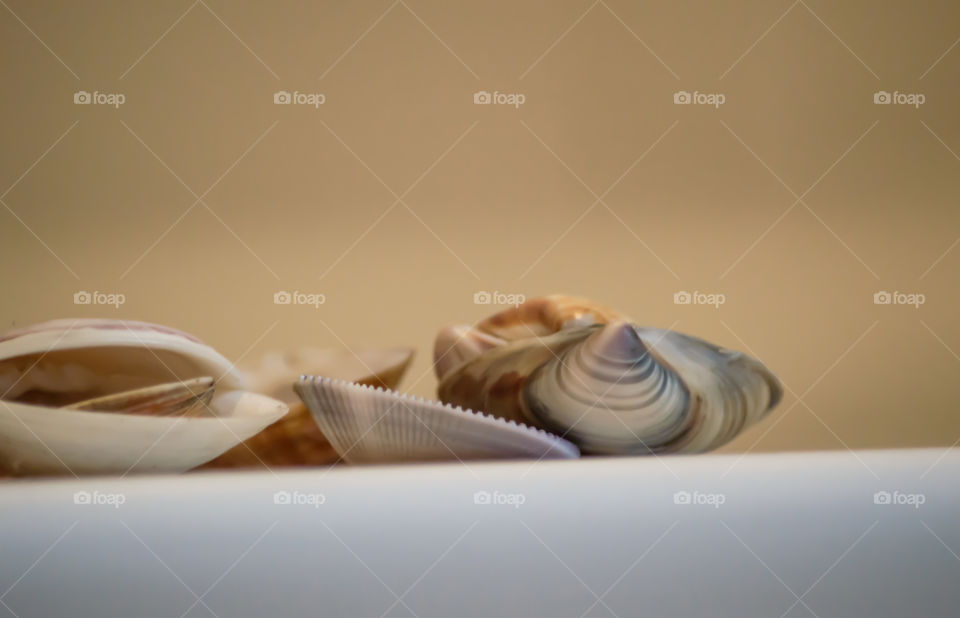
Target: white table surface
{"points": [[795, 534]]}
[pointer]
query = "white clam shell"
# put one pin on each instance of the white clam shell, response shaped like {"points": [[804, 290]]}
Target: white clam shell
{"points": [[375, 425], [68, 356]]}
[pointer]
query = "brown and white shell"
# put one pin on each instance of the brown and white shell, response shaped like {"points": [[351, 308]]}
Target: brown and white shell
{"points": [[586, 373], [94, 396]]}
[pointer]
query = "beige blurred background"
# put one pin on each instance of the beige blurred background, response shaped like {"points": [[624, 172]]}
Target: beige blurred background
{"points": [[798, 198]]}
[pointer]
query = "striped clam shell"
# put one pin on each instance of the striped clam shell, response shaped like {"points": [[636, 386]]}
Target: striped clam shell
{"points": [[608, 385]]}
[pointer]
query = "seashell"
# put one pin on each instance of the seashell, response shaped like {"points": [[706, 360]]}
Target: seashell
{"points": [[188, 398], [91, 396], [610, 386], [537, 317], [368, 424], [296, 439]]}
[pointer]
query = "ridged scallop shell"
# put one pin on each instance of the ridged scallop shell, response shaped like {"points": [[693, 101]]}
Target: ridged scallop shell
{"points": [[80, 362], [610, 386], [375, 425]]}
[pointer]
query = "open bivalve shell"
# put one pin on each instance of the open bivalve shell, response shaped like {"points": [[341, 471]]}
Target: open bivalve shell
{"points": [[153, 385], [375, 425]]}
